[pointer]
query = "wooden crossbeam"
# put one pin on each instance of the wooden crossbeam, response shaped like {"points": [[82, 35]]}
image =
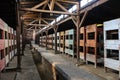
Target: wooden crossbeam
{"points": [[52, 5], [62, 7], [64, 20], [25, 3], [66, 1], [45, 21], [47, 11], [38, 25], [39, 5]]}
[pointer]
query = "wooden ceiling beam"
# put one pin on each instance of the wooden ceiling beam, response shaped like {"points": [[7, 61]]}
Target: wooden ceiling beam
{"points": [[62, 7], [64, 20], [25, 3], [47, 11], [49, 18], [52, 5], [39, 5], [45, 21], [69, 2], [38, 25]]}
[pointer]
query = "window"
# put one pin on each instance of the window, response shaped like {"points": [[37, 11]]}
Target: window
{"points": [[113, 54], [91, 50], [91, 35], [112, 34]]}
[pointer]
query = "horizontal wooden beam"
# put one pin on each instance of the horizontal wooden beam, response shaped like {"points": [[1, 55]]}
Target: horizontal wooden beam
{"points": [[25, 3], [47, 11]]}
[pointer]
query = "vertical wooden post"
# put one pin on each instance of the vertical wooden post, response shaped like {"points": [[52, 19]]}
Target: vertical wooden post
{"points": [[78, 32], [23, 37], [46, 39], [18, 36], [41, 39], [55, 30]]}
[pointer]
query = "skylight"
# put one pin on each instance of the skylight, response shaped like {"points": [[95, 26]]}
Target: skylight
{"points": [[85, 2]]}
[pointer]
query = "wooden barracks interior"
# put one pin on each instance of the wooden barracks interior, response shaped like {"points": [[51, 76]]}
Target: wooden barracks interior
{"points": [[59, 39]]}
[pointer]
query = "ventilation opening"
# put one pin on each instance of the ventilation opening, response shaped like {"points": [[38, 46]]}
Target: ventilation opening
{"points": [[113, 54], [81, 36], [81, 48], [91, 50], [112, 34], [91, 35]]}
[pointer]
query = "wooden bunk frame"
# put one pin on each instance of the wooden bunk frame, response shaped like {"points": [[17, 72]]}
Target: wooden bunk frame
{"points": [[82, 47], [94, 44], [112, 44]]}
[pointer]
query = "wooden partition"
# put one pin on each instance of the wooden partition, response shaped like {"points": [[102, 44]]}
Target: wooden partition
{"points": [[70, 42], [2, 46], [58, 41], [82, 47], [50, 41], [15, 43], [62, 41], [44, 41], [94, 44], [54, 41], [112, 44], [67, 42]]}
